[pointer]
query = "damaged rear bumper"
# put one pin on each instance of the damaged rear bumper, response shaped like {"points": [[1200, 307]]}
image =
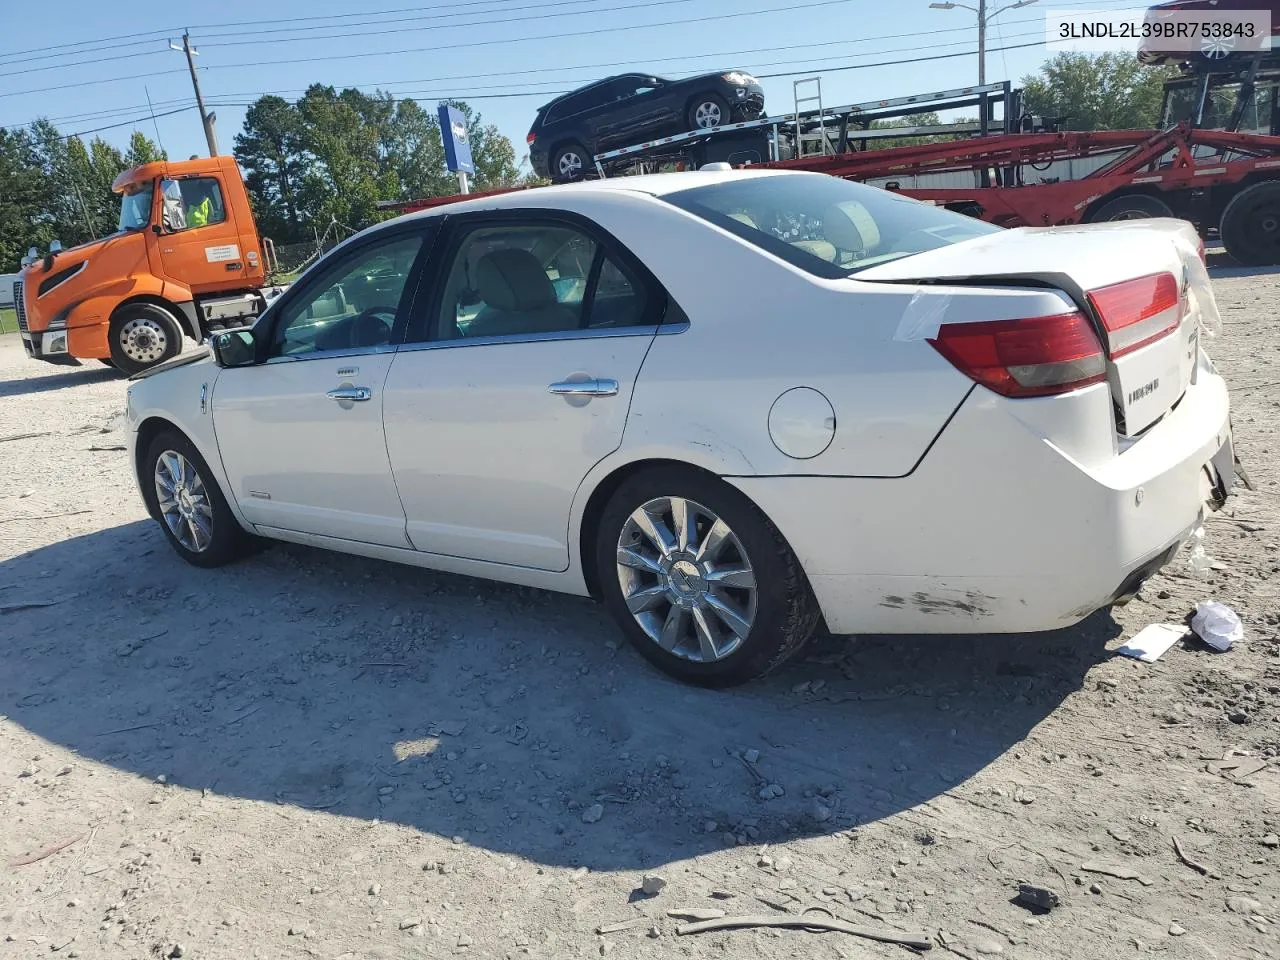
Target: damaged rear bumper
{"points": [[1000, 531]]}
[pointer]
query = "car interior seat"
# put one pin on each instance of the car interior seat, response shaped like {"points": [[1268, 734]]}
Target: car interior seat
{"points": [[851, 229], [518, 296]]}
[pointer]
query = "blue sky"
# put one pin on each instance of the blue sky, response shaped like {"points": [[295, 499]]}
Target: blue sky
{"points": [[506, 57]]}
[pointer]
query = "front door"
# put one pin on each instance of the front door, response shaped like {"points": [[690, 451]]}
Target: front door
{"points": [[199, 242], [301, 434], [516, 384]]}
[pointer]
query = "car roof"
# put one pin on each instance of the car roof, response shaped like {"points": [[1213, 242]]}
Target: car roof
{"points": [[652, 184]]}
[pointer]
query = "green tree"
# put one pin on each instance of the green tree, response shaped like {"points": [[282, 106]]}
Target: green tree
{"points": [[270, 151], [1110, 91], [25, 199], [142, 150]]}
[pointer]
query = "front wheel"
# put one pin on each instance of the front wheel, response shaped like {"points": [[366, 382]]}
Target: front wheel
{"points": [[142, 335], [192, 511], [699, 580], [708, 112]]}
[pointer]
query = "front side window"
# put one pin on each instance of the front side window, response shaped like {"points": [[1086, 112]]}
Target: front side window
{"points": [[825, 225], [528, 279], [135, 206], [191, 203], [353, 305]]}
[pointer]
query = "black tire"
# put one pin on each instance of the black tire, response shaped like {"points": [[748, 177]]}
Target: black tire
{"points": [[569, 162], [785, 611], [142, 335], [700, 108], [227, 540], [1135, 207], [1250, 225]]}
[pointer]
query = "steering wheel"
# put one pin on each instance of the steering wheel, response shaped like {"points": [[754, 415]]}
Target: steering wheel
{"points": [[371, 327]]}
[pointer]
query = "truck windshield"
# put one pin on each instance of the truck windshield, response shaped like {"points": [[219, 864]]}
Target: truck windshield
{"points": [[825, 225], [135, 207]]}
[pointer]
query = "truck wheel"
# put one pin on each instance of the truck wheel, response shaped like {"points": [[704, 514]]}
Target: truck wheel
{"points": [[1250, 225], [1135, 207], [142, 335]]}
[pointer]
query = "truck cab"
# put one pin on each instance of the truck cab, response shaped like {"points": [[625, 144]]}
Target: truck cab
{"points": [[185, 260]]}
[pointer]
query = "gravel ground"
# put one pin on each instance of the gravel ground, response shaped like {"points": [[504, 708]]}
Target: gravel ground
{"points": [[312, 755]]}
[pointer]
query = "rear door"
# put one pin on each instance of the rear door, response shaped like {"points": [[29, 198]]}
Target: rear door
{"points": [[199, 241], [515, 382]]}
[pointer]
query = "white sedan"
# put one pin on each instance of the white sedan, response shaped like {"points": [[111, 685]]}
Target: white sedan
{"points": [[732, 406]]}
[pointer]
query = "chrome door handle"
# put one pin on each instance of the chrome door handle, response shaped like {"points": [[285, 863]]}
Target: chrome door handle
{"points": [[349, 393], [585, 388]]}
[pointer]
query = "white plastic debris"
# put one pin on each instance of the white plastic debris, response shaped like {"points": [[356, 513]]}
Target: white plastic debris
{"points": [[1217, 624], [1199, 563], [1149, 643]]}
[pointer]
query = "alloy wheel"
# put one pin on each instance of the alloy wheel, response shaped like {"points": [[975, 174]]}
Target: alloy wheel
{"points": [[686, 579], [708, 115], [570, 164], [184, 501]]}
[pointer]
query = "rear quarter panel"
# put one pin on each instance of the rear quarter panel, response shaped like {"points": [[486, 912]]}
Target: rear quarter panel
{"points": [[759, 327]]}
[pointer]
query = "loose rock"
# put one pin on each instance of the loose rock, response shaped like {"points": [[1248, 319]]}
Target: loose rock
{"points": [[593, 813], [652, 884], [1245, 905]]}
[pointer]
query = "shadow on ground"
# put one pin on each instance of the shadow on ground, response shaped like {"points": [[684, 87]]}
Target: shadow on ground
{"points": [[93, 372], [501, 714]]}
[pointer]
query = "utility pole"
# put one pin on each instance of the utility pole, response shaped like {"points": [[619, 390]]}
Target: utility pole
{"points": [[205, 117], [983, 20]]}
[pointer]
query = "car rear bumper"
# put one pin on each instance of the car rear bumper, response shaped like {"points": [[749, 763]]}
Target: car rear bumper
{"points": [[998, 530]]}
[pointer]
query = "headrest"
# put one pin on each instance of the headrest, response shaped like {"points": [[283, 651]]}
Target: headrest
{"points": [[850, 227], [513, 280]]}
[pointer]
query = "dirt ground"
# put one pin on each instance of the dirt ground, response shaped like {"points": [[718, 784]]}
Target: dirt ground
{"points": [[309, 755]]}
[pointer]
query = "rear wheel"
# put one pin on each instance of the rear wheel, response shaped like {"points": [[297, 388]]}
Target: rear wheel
{"points": [[142, 335], [194, 514], [569, 163], [699, 580], [708, 111], [1250, 225], [1136, 207]]}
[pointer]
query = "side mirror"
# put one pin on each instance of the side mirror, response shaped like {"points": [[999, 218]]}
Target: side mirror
{"points": [[234, 348]]}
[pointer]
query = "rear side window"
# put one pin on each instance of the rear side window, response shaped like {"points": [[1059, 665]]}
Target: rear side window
{"points": [[824, 225], [536, 278]]}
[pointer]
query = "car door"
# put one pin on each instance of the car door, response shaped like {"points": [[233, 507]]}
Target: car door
{"points": [[515, 382], [300, 434], [199, 239]]}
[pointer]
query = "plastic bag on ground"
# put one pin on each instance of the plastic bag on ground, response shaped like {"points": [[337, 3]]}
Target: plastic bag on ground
{"points": [[1217, 624]]}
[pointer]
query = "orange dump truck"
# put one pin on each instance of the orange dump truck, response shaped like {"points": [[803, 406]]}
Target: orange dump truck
{"points": [[186, 260]]}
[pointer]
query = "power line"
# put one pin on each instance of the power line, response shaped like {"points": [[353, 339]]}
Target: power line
{"points": [[644, 4]]}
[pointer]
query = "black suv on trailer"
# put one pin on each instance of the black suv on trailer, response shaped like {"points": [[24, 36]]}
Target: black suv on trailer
{"points": [[631, 108]]}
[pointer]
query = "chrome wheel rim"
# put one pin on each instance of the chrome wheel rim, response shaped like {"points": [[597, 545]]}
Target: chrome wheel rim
{"points": [[570, 164], [707, 115], [184, 501], [143, 340], [686, 579]]}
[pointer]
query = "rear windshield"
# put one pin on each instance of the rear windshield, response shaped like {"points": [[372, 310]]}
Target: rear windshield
{"points": [[824, 225]]}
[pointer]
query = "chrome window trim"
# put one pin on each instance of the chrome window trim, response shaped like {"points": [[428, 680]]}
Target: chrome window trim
{"points": [[331, 354], [558, 335]]}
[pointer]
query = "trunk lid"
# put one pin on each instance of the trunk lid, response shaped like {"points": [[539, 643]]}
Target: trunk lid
{"points": [[1141, 284]]}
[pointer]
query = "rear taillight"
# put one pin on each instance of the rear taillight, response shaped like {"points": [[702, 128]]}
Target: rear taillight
{"points": [[1036, 357], [1200, 251], [530, 137], [1138, 312]]}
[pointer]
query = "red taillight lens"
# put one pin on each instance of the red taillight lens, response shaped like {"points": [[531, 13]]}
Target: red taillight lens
{"points": [[1137, 312], [1200, 251], [1025, 358], [530, 137]]}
